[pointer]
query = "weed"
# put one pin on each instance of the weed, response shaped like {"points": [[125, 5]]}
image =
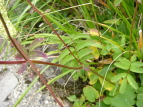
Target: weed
{"points": [[103, 42]]}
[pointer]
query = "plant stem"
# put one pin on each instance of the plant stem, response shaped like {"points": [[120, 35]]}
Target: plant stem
{"points": [[19, 49], [131, 30], [46, 20]]}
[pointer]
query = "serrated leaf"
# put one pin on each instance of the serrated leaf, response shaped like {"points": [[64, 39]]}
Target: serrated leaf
{"points": [[132, 81], [118, 77], [35, 43], [117, 2], [90, 93], [123, 86]]}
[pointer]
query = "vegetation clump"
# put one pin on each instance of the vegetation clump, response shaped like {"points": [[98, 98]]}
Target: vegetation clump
{"points": [[100, 44]]}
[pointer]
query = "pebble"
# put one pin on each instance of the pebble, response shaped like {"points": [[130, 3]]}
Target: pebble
{"points": [[8, 82]]}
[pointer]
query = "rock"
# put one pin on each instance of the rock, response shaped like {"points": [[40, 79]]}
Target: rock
{"points": [[3, 104], [8, 82]]}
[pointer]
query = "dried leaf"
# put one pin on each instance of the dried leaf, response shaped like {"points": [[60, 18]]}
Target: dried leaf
{"points": [[140, 41], [94, 32], [139, 1], [106, 61]]}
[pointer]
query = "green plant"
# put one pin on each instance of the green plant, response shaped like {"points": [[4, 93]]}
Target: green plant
{"points": [[110, 52]]}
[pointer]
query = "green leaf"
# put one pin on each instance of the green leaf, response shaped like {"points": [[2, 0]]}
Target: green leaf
{"points": [[140, 90], [123, 86], [53, 52], [64, 53], [95, 52], [132, 81], [141, 79], [92, 78], [137, 64], [133, 58], [123, 63], [87, 43], [72, 98], [117, 2], [118, 77], [87, 57], [124, 100], [107, 100], [90, 93], [137, 67], [83, 44], [67, 59], [81, 36], [111, 21], [107, 85], [82, 99], [84, 52], [123, 40], [102, 104], [139, 102]]}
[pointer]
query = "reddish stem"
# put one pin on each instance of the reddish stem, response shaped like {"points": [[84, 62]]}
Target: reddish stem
{"points": [[19, 49], [39, 62]]}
